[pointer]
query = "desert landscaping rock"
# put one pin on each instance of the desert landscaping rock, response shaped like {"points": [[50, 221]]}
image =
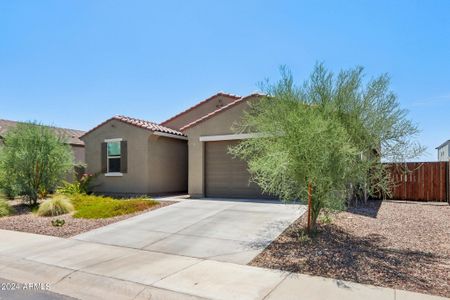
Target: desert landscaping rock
{"points": [[397, 244], [24, 220]]}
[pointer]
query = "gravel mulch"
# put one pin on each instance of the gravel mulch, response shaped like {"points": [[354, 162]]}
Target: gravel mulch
{"points": [[403, 245], [25, 220]]}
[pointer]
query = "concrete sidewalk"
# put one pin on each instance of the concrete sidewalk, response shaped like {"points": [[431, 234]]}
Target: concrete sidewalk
{"points": [[86, 270]]}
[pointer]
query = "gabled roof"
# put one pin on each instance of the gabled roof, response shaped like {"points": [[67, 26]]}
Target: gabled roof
{"points": [[139, 123], [72, 135], [443, 144], [232, 96], [219, 110]]}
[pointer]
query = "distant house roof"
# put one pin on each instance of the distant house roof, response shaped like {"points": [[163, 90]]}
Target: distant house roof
{"points": [[219, 110], [72, 135], [232, 96], [139, 123], [443, 144]]}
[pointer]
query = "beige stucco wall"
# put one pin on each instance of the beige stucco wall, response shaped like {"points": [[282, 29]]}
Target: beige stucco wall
{"points": [[218, 125], [78, 154], [198, 112], [136, 179], [168, 165], [78, 159]]}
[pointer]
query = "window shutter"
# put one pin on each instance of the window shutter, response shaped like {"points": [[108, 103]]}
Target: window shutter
{"points": [[104, 158], [123, 157]]}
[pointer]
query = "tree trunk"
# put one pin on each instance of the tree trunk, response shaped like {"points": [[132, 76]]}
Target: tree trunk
{"points": [[309, 207]]}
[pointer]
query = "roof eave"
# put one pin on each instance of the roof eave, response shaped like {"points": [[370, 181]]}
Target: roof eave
{"points": [[119, 119], [443, 144], [220, 110], [198, 104]]}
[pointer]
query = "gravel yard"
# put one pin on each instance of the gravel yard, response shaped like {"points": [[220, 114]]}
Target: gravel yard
{"points": [[25, 220], [404, 245]]}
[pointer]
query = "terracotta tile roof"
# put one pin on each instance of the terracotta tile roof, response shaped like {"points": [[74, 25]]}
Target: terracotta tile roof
{"points": [[139, 123], [219, 110], [72, 135], [232, 96]]}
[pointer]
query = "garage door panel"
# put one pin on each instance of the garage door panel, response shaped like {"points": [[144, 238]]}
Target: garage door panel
{"points": [[226, 176]]}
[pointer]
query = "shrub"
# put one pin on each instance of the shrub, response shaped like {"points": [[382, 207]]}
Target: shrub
{"points": [[69, 188], [7, 186], [81, 186], [79, 170], [34, 159], [58, 222], [5, 208], [325, 218], [98, 207], [58, 205]]}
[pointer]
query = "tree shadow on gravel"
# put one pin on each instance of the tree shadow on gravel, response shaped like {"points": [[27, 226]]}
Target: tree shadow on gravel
{"points": [[369, 209], [22, 208], [337, 254]]}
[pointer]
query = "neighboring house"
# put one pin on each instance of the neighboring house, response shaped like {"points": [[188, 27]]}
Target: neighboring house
{"points": [[188, 152], [72, 137], [444, 151], [133, 156]]}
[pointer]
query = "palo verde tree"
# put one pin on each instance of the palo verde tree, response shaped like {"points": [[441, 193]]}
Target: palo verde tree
{"points": [[34, 160], [328, 135]]}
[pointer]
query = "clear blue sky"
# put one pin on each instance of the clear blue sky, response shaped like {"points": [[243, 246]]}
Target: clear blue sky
{"points": [[76, 63]]}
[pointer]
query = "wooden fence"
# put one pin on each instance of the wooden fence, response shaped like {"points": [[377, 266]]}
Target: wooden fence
{"points": [[421, 181]]}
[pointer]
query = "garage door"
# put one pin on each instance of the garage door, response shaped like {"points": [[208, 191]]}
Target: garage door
{"points": [[226, 176]]}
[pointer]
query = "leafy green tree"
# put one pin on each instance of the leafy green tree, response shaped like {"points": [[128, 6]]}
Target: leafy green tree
{"points": [[34, 160], [329, 134], [8, 186]]}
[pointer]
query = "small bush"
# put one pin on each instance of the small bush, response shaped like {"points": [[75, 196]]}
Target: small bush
{"points": [[58, 222], [10, 191], [5, 208], [69, 188], [325, 218], [98, 207], [55, 206], [7, 186], [81, 186]]}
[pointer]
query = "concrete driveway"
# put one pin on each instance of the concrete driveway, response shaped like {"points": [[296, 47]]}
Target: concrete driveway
{"points": [[229, 231]]}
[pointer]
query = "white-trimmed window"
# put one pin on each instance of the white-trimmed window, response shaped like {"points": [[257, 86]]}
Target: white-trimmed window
{"points": [[113, 157]]}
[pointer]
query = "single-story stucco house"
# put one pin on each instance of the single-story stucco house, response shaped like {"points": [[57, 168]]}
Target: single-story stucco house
{"points": [[72, 137], [188, 152]]}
